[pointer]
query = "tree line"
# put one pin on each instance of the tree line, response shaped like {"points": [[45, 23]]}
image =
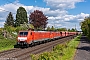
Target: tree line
{"points": [[37, 19], [60, 29], [85, 26]]}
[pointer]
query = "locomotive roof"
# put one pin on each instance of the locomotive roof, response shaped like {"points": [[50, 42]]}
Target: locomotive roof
{"points": [[41, 31], [36, 31], [23, 31], [30, 30]]}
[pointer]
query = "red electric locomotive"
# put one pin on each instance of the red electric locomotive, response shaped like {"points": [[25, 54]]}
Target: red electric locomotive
{"points": [[25, 38]]}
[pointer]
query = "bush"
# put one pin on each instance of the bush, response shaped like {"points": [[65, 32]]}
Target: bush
{"points": [[6, 44]]}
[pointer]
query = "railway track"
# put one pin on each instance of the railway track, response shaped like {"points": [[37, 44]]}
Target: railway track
{"points": [[24, 54], [8, 51]]}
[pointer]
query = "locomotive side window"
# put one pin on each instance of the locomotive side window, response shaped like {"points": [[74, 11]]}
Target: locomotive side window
{"points": [[65, 33], [31, 33], [61, 33]]}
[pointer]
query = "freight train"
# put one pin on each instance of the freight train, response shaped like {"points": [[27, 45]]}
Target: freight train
{"points": [[26, 38]]}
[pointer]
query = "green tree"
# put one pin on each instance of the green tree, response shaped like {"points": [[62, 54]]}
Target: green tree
{"points": [[73, 30], [61, 29], [69, 30], [21, 16], [9, 20], [52, 28], [85, 26], [48, 28]]}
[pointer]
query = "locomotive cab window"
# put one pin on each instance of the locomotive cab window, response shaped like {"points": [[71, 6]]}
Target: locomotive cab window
{"points": [[23, 33]]}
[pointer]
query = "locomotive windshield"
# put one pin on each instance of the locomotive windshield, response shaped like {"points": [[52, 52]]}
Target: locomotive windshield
{"points": [[23, 33]]}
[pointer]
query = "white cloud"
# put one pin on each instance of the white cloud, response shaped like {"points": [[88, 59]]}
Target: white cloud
{"points": [[1, 24], [62, 4], [11, 6], [1, 9], [67, 21]]}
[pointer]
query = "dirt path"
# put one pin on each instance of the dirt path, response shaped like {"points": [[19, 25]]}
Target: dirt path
{"points": [[83, 50]]}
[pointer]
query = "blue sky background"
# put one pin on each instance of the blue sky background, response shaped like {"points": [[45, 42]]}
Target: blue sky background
{"points": [[81, 7], [60, 13]]}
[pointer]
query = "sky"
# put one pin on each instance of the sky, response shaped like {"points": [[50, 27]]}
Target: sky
{"points": [[61, 13]]}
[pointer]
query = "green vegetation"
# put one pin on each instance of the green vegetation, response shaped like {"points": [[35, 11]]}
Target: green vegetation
{"points": [[60, 52], [51, 29], [85, 26], [9, 20], [21, 16], [72, 30], [60, 29], [37, 20], [7, 38], [69, 52], [6, 44]]}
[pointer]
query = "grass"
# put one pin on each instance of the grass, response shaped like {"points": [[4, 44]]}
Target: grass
{"points": [[60, 52], [69, 52], [6, 44]]}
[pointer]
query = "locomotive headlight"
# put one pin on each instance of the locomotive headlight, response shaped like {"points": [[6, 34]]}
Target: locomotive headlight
{"points": [[22, 38]]}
